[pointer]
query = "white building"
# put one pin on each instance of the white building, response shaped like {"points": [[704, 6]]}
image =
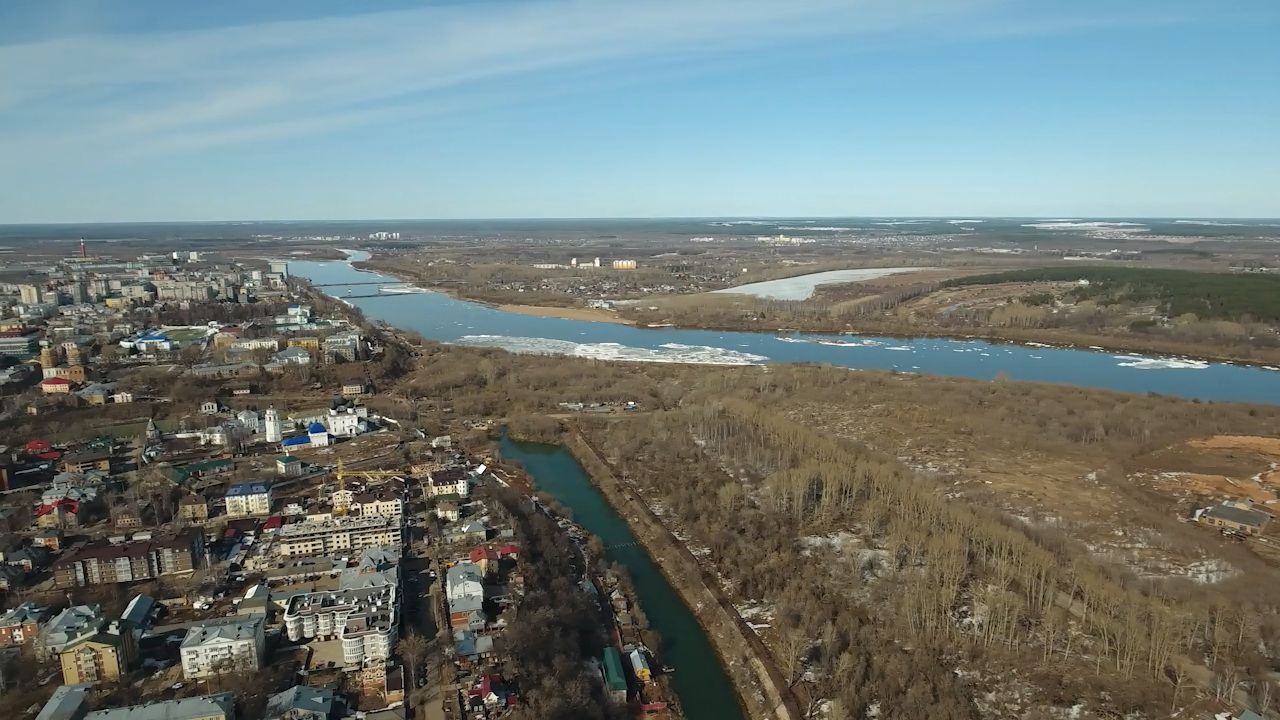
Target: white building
{"points": [[449, 481], [272, 426], [346, 423], [248, 499], [230, 645], [362, 613], [318, 434], [249, 421]]}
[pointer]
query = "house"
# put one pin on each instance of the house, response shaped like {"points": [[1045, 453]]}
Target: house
{"points": [[234, 644], [210, 407], [68, 626], [464, 592], [301, 702], [344, 347], [352, 389], [96, 393], [304, 343], [472, 647], [127, 518], [615, 682], [484, 557], [295, 356], [490, 692], [193, 508], [288, 466], [56, 386], [640, 666], [185, 474], [448, 511], [105, 655], [29, 558], [68, 702], [206, 707], [248, 499], [241, 391], [48, 538], [1236, 516], [21, 625]]}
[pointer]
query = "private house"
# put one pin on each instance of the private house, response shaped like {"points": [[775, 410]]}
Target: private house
{"points": [[464, 592], [193, 508], [233, 644], [448, 511], [353, 389], [48, 538], [1238, 516], [248, 499], [449, 481], [21, 625]]}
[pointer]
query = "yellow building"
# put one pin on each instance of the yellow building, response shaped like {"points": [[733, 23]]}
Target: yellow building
{"points": [[306, 343], [104, 656]]}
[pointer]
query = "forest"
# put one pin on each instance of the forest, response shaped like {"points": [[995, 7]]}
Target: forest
{"points": [[1242, 297]]}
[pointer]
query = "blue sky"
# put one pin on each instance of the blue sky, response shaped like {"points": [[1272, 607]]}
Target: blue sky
{"points": [[155, 110]]}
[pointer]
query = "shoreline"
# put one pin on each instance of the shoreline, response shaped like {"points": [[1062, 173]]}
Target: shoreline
{"points": [[1097, 344], [761, 692]]}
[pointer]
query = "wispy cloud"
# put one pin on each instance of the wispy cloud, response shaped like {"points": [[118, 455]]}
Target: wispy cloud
{"points": [[168, 91], [235, 83]]}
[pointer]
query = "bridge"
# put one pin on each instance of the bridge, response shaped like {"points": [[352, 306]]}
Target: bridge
{"points": [[362, 282]]}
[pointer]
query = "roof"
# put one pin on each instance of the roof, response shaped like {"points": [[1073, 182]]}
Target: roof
{"points": [[248, 489], [238, 628], [66, 704], [317, 427], [89, 455], [193, 708], [55, 381], [613, 677], [24, 613], [153, 337], [1230, 513], [138, 612], [295, 441], [286, 459], [314, 701]]}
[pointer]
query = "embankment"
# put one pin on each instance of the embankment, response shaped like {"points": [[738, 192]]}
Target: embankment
{"points": [[759, 684]]}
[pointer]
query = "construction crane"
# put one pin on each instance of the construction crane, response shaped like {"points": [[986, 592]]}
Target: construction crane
{"points": [[341, 502]]}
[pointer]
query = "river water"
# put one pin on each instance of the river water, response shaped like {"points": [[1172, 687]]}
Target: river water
{"points": [[440, 317], [700, 681]]}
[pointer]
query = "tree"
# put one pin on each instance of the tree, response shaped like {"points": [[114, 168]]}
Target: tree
{"points": [[412, 648]]}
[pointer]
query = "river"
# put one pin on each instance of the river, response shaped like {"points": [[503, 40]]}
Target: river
{"points": [[700, 681], [440, 317]]}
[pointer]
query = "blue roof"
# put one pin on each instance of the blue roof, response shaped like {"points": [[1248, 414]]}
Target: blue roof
{"points": [[317, 427], [153, 336], [247, 489], [299, 440]]}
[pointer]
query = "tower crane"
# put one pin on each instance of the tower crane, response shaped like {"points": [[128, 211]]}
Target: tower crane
{"points": [[341, 500]]}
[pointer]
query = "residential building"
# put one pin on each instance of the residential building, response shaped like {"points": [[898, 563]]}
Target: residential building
{"points": [[223, 370], [352, 389], [345, 347], [19, 343], [193, 508], [448, 511], [449, 481], [248, 499], [68, 626], [255, 345], [196, 291], [233, 644], [105, 655], [1237, 516], [21, 625], [206, 707], [84, 461], [301, 702], [102, 563], [464, 591], [74, 373], [386, 500], [364, 620], [305, 343], [330, 536]]}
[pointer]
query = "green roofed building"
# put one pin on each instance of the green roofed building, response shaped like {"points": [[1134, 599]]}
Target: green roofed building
{"points": [[615, 681]]}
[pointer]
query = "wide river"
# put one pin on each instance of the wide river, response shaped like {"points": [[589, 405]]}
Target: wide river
{"points": [[440, 317]]}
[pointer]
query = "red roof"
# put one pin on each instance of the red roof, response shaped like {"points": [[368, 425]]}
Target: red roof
{"points": [[68, 503], [483, 552], [55, 381], [50, 455], [272, 523], [506, 550], [37, 445]]}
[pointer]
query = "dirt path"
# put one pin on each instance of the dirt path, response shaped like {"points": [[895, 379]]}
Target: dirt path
{"points": [[758, 682]]}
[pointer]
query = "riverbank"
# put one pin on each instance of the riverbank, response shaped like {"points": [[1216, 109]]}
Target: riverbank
{"points": [[758, 683], [567, 313]]}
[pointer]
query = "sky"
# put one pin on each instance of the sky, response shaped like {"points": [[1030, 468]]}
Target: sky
{"points": [[319, 109]]}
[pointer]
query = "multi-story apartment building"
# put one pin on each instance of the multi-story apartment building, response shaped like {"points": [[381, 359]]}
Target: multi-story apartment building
{"points": [[362, 613], [104, 564], [386, 500], [195, 290], [68, 626], [248, 499], [449, 481], [336, 535], [105, 655], [347, 346], [229, 645]]}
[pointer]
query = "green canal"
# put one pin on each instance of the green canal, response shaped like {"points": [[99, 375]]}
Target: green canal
{"points": [[700, 681]]}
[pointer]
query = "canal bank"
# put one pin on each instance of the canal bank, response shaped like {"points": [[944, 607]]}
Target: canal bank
{"points": [[722, 671]]}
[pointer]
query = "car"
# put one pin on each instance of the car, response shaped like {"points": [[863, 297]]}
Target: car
{"points": [[177, 686]]}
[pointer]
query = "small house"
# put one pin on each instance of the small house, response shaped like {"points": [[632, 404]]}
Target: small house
{"points": [[1238, 516], [288, 466]]}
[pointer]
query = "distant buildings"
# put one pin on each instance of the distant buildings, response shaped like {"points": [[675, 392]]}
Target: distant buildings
{"points": [[229, 645]]}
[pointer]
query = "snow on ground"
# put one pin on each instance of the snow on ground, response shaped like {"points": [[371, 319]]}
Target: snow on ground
{"points": [[802, 287]]}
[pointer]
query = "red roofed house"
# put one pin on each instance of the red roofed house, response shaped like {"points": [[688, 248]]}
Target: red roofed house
{"points": [[491, 691], [509, 551], [485, 557], [56, 386]]}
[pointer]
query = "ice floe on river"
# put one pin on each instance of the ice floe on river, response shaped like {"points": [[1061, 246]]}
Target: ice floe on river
{"points": [[666, 353]]}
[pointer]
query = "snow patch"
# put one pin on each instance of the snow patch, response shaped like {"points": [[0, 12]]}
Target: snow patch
{"points": [[666, 353]]}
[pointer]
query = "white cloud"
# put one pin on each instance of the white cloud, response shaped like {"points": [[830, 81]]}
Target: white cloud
{"points": [[219, 85]]}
